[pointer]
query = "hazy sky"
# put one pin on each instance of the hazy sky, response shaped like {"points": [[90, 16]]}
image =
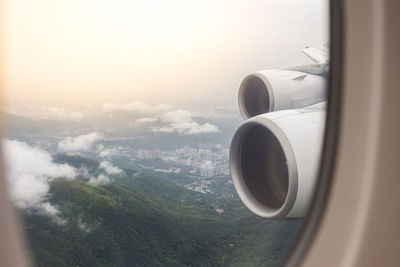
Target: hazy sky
{"points": [[186, 53]]}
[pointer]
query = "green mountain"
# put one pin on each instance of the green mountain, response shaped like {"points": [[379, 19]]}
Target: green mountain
{"points": [[145, 221]]}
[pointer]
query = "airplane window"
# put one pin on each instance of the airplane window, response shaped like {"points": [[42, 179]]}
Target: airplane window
{"points": [[163, 133]]}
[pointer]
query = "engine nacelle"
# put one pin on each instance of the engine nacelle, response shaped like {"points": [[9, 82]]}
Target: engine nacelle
{"points": [[273, 90], [274, 160]]}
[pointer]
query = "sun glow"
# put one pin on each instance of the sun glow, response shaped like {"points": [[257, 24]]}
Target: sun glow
{"points": [[176, 51]]}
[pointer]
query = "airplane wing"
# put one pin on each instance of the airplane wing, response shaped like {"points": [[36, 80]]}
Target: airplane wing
{"points": [[318, 54]]}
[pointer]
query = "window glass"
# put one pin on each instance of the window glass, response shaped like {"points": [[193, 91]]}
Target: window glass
{"points": [[126, 144]]}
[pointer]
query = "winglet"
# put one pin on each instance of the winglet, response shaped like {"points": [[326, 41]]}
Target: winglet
{"points": [[318, 54]]}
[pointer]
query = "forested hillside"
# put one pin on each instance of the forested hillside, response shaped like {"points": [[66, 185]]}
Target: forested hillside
{"points": [[147, 221]]}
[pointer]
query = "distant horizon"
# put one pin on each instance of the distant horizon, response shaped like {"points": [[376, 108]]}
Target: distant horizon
{"points": [[79, 112]]}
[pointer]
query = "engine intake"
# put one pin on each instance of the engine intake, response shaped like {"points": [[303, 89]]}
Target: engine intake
{"points": [[274, 160], [273, 90]]}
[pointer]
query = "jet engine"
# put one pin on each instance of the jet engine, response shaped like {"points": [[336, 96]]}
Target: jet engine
{"points": [[274, 155], [273, 90]]}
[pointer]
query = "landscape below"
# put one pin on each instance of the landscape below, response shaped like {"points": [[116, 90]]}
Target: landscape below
{"points": [[144, 220], [170, 201]]}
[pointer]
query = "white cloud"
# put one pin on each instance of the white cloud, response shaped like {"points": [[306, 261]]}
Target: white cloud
{"points": [[135, 107], [60, 113], [44, 112], [109, 151], [205, 128], [83, 226], [177, 115], [29, 172], [146, 120], [182, 122], [48, 208], [103, 179], [99, 180], [82, 142], [109, 168]]}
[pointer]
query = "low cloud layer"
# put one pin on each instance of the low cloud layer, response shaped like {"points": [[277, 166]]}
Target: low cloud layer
{"points": [[169, 119], [135, 107], [145, 120], [79, 143], [29, 172], [101, 179], [162, 118], [44, 112], [61, 113], [107, 152], [109, 168], [182, 122]]}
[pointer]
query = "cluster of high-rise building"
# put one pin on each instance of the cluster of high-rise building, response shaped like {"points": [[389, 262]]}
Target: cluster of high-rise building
{"points": [[205, 160]]}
